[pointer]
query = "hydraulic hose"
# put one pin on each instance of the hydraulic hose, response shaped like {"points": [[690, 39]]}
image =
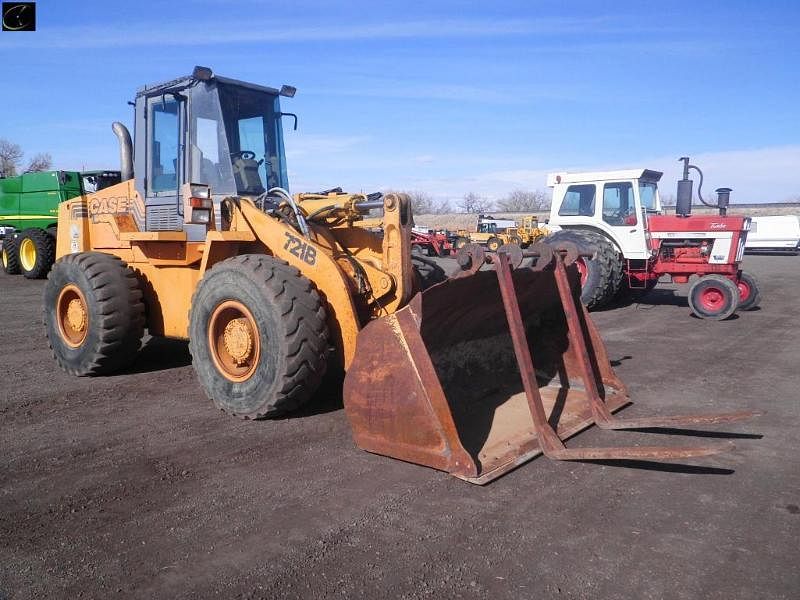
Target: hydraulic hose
{"points": [[301, 221]]}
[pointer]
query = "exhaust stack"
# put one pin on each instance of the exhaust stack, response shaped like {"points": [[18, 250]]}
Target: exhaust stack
{"points": [[125, 150]]}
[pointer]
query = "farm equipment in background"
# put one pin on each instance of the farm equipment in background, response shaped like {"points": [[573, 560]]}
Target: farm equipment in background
{"points": [[29, 215], [619, 213], [431, 243], [529, 232], [201, 241], [489, 232]]}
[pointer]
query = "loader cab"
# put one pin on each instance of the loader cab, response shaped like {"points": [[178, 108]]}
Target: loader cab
{"points": [[613, 203], [209, 130]]}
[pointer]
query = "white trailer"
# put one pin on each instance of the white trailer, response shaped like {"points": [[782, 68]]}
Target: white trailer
{"points": [[779, 233]]}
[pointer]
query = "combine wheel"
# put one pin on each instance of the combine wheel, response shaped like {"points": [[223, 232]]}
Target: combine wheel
{"points": [[258, 336], [460, 243], [602, 276], [37, 251], [713, 297], [9, 256], [749, 291], [493, 243], [93, 313]]}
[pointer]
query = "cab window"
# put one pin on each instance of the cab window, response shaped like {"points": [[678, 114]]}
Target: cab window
{"points": [[578, 201], [164, 150], [619, 205]]}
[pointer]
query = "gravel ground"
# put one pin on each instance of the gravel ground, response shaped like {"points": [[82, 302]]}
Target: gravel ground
{"points": [[134, 486]]}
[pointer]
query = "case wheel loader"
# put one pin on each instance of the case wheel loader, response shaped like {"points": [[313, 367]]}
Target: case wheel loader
{"points": [[201, 241]]}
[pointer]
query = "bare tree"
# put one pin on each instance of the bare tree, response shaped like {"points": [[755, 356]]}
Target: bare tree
{"points": [[524, 201], [423, 203], [668, 200], [472, 203], [10, 155], [441, 207], [40, 162]]}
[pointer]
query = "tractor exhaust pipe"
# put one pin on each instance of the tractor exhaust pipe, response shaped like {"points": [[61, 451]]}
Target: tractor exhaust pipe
{"points": [[125, 150]]}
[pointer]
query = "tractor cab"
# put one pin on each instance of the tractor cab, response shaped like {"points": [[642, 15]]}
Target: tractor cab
{"points": [[613, 203], [211, 132]]}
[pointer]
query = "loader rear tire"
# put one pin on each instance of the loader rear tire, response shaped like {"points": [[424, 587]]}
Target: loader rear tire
{"points": [[460, 242], [601, 277], [93, 313], [493, 243], [36, 251], [9, 256], [713, 297], [749, 291], [258, 336]]}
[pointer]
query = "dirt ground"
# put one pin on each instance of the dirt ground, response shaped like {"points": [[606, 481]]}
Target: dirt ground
{"points": [[134, 486]]}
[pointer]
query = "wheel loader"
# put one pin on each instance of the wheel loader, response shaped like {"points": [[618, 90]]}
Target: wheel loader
{"points": [[201, 241]]}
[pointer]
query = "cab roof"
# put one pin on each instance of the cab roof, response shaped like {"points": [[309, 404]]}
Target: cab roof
{"points": [[592, 176]]}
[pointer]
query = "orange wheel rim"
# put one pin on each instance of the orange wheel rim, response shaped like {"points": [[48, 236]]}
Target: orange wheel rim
{"points": [[72, 315], [234, 341]]}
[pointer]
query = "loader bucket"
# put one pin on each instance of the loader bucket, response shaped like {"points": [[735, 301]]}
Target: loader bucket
{"points": [[438, 383], [483, 372]]}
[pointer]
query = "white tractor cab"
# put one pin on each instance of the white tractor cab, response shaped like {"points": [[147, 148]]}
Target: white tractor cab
{"points": [[619, 215]]}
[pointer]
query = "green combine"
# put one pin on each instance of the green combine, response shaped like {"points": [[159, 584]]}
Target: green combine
{"points": [[29, 215]]}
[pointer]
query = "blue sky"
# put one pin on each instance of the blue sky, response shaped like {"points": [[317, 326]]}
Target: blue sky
{"points": [[442, 96]]}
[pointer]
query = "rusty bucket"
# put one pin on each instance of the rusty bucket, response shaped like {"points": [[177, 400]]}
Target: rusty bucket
{"points": [[485, 371]]}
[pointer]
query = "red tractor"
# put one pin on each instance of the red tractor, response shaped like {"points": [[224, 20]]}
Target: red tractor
{"points": [[430, 243], [636, 243]]}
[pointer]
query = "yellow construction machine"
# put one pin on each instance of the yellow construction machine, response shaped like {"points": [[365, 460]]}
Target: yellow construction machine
{"points": [[493, 233], [529, 232], [201, 241]]}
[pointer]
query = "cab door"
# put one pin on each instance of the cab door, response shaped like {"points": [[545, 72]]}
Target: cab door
{"points": [[620, 213]]}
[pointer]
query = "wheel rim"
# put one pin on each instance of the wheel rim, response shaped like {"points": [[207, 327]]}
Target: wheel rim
{"points": [[744, 290], [583, 270], [27, 254], [712, 299], [234, 341], [72, 315], [5, 258]]}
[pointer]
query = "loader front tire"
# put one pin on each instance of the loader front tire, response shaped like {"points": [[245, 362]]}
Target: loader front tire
{"points": [[93, 313], [9, 256], [258, 336], [36, 252], [601, 277]]}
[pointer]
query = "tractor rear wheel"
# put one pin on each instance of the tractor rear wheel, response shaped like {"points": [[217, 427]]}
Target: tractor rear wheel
{"points": [[36, 250], [258, 336], [93, 313], [714, 297], [10, 257], [749, 291], [601, 277]]}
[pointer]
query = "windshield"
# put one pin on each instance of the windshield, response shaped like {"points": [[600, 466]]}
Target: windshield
{"points": [[648, 192], [252, 132]]}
